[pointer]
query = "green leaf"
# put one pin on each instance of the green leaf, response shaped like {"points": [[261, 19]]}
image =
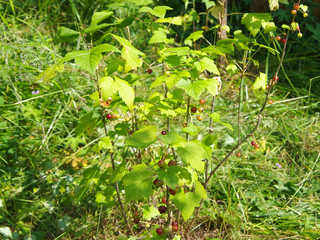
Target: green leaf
{"points": [[87, 123], [138, 183], [160, 11], [207, 64], [170, 176], [143, 137], [149, 212], [105, 143], [172, 80], [106, 197], [50, 72], [216, 118], [210, 139], [253, 21], [192, 129], [214, 85], [195, 36], [100, 16], [174, 20], [173, 139], [130, 53], [187, 202], [121, 129], [90, 59], [108, 87], [158, 37], [192, 153], [274, 5], [261, 82], [226, 45], [126, 92], [269, 27], [6, 232], [67, 34], [193, 89]]}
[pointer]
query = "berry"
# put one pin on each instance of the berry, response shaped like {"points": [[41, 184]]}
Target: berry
{"points": [[163, 132], [305, 15], [293, 12], [270, 101], [136, 220], [164, 200], [202, 101], [238, 154], [155, 182], [256, 146], [172, 163], [167, 73], [161, 163], [193, 109], [199, 118], [175, 228], [283, 40], [127, 119], [116, 116], [278, 38], [149, 70], [268, 87], [174, 223], [253, 143], [275, 78], [111, 151], [200, 109], [162, 209], [109, 116], [159, 231], [130, 132], [299, 35], [296, 6], [158, 183], [172, 192]]}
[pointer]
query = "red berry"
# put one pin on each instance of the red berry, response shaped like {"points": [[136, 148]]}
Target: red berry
{"points": [[202, 101], [161, 163], [270, 101], [130, 132], [159, 231], [149, 70], [253, 143], [283, 40], [293, 12], [296, 6], [174, 223], [256, 146], [163, 132], [268, 87], [278, 38], [199, 118], [136, 220], [175, 228], [136, 213], [275, 78], [193, 109], [172, 163], [155, 182], [109, 116], [164, 200], [238, 154], [172, 192], [162, 209]]}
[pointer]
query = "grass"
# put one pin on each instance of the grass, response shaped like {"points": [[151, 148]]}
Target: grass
{"points": [[49, 178]]}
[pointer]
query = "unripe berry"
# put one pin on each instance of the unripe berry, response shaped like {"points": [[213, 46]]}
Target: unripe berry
{"points": [[305, 15], [299, 35], [278, 38], [296, 6], [293, 12]]}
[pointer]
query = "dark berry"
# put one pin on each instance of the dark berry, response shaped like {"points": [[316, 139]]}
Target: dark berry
{"points": [[253, 143], [136, 220], [163, 132], [162, 209], [159, 231], [149, 70], [193, 109], [175, 228], [172, 192], [172, 163]]}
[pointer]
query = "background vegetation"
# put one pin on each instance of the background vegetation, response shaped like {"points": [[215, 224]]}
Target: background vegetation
{"points": [[51, 177]]}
